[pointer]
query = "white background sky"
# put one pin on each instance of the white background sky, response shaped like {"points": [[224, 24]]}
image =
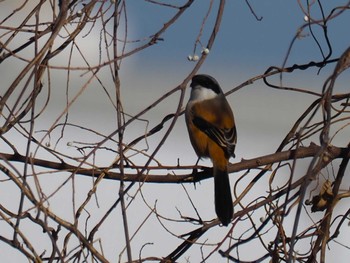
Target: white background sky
{"points": [[244, 48]]}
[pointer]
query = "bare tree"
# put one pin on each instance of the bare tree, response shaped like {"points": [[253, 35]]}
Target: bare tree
{"points": [[55, 206]]}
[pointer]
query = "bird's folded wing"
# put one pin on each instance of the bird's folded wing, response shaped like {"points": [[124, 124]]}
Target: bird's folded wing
{"points": [[225, 138]]}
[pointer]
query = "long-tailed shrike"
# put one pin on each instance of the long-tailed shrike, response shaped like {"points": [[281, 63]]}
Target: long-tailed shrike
{"points": [[212, 131]]}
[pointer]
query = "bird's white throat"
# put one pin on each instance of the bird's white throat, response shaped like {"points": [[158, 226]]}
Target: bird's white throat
{"points": [[199, 93]]}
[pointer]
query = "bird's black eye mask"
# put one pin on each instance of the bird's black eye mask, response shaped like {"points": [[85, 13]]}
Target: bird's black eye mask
{"points": [[207, 82]]}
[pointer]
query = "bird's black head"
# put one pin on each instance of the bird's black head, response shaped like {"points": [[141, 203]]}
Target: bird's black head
{"points": [[206, 81]]}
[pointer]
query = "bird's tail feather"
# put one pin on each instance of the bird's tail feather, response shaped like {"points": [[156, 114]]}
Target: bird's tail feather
{"points": [[223, 197]]}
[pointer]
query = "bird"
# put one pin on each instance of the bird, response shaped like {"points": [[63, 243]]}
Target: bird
{"points": [[211, 127]]}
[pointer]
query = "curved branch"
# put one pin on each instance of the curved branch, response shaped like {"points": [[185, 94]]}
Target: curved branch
{"points": [[245, 164]]}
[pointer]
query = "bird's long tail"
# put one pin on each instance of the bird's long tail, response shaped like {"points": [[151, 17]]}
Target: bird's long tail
{"points": [[223, 197]]}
